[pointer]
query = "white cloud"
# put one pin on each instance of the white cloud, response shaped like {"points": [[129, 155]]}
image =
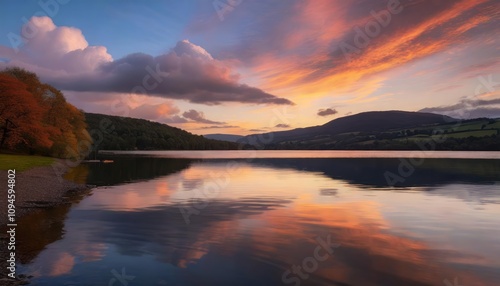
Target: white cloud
{"points": [[49, 48], [185, 47]]}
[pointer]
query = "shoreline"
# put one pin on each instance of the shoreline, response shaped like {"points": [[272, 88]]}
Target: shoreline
{"points": [[35, 189]]}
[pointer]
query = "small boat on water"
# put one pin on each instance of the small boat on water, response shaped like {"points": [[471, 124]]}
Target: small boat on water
{"points": [[98, 161]]}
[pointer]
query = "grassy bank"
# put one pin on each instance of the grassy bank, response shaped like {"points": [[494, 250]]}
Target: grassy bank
{"points": [[23, 162]]}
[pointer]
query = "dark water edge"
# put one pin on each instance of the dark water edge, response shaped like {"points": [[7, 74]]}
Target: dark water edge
{"points": [[365, 172]]}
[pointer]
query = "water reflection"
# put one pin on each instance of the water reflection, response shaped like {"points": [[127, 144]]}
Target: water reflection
{"points": [[364, 172], [368, 172], [266, 215], [126, 169], [42, 227]]}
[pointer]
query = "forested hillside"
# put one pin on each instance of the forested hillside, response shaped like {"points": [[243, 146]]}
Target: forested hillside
{"points": [[35, 117], [139, 134], [389, 130]]}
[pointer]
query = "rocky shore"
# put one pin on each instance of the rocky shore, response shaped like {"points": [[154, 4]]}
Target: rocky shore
{"points": [[35, 189]]}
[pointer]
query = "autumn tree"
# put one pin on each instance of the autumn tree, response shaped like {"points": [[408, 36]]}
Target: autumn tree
{"points": [[21, 117], [63, 123], [69, 123]]}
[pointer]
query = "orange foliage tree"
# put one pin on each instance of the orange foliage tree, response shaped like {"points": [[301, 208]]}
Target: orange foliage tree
{"points": [[57, 127], [21, 117]]}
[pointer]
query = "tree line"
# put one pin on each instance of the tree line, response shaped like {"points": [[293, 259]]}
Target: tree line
{"points": [[139, 134], [486, 143]]}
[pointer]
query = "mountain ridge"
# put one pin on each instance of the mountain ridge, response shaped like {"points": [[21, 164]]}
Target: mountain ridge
{"points": [[362, 122], [386, 130]]}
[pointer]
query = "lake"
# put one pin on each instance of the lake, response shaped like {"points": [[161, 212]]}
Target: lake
{"points": [[273, 218]]}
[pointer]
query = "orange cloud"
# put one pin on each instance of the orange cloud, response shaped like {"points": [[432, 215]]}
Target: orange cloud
{"points": [[323, 71]]}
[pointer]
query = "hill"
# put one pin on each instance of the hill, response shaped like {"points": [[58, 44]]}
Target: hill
{"points": [[139, 134], [223, 137], [387, 130], [383, 121]]}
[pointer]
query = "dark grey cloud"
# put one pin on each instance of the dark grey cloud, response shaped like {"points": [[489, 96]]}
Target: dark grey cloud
{"points": [[218, 126], [327, 112], [257, 130], [188, 72], [281, 125], [199, 116], [469, 108]]}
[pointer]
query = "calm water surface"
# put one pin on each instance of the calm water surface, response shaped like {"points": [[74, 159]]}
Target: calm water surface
{"points": [[275, 218]]}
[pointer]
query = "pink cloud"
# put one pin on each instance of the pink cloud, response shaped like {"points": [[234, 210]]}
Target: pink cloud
{"points": [[156, 112]]}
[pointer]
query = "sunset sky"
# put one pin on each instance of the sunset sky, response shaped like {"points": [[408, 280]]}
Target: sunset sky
{"points": [[241, 66]]}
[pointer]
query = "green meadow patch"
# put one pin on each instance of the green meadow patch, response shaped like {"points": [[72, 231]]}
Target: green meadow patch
{"points": [[23, 162]]}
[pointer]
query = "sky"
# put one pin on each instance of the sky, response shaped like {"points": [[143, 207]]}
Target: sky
{"points": [[242, 67]]}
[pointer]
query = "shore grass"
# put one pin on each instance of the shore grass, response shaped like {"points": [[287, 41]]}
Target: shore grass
{"points": [[23, 162]]}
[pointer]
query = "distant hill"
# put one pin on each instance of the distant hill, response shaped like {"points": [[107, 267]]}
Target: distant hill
{"points": [[394, 130], [224, 137], [139, 134], [383, 121]]}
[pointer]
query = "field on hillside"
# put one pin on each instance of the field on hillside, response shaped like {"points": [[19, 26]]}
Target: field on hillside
{"points": [[484, 132]]}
